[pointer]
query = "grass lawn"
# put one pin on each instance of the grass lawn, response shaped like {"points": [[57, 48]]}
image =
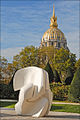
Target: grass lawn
{"points": [[64, 101], [7, 104], [54, 107], [65, 108]]}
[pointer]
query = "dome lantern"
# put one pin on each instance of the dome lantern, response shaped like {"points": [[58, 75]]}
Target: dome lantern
{"points": [[53, 19]]}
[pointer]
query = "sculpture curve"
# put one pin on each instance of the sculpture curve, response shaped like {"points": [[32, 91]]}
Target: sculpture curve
{"points": [[35, 96]]}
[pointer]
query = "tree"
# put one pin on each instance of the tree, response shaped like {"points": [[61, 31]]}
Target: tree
{"points": [[27, 57], [63, 60], [59, 59], [3, 66], [56, 76], [77, 64], [7, 92], [50, 72], [14, 94], [3, 69], [46, 54], [74, 92], [6, 70], [69, 76]]}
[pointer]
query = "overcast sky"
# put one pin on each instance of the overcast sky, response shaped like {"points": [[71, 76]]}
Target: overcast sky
{"points": [[23, 23]]}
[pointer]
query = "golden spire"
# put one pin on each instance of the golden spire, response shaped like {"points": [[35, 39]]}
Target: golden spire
{"points": [[53, 19], [53, 12]]}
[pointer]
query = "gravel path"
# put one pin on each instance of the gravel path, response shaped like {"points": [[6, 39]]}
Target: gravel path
{"points": [[10, 114], [65, 103], [7, 100]]}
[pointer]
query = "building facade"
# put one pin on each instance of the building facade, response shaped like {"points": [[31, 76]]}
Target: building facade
{"points": [[54, 36]]}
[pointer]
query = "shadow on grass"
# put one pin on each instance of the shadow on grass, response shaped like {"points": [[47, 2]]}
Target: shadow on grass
{"points": [[53, 108], [5, 104]]}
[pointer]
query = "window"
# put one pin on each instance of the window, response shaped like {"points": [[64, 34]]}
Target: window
{"points": [[55, 44], [46, 44], [59, 45], [52, 43], [58, 37], [64, 45]]}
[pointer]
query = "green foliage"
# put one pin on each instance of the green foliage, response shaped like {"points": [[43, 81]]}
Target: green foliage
{"points": [[31, 56], [65, 108], [27, 57], [74, 92], [3, 67], [63, 60], [59, 60], [7, 92], [10, 106], [50, 72], [6, 70], [77, 64], [46, 54], [69, 76], [60, 91], [7, 104], [56, 76]]}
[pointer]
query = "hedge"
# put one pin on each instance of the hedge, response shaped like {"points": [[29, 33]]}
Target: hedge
{"points": [[60, 91]]}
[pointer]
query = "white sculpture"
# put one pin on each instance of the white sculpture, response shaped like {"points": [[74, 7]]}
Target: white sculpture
{"points": [[35, 96]]}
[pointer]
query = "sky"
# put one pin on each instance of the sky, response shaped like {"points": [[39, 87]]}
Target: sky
{"points": [[23, 23]]}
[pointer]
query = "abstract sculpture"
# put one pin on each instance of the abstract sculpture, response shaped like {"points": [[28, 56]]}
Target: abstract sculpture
{"points": [[35, 96]]}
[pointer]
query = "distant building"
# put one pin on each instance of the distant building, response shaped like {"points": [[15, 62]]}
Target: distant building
{"points": [[54, 36]]}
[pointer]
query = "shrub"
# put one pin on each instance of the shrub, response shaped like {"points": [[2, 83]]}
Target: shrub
{"points": [[60, 91], [69, 76], [50, 72], [77, 64], [74, 92], [7, 92], [56, 76]]}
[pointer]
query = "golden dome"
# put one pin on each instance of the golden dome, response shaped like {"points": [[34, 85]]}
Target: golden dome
{"points": [[54, 36]]}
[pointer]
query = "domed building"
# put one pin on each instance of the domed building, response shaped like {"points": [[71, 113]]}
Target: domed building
{"points": [[54, 36]]}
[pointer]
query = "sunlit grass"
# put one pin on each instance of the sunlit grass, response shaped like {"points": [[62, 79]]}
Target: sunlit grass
{"points": [[7, 104], [54, 107], [65, 108]]}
